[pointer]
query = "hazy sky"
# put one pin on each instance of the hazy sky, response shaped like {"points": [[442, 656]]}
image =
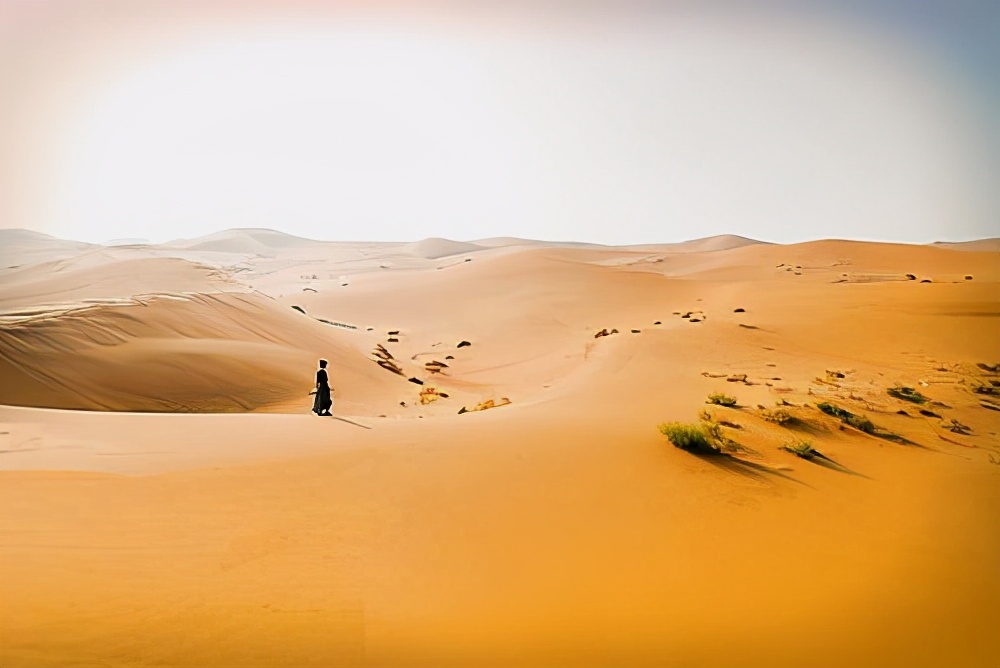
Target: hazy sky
{"points": [[611, 122]]}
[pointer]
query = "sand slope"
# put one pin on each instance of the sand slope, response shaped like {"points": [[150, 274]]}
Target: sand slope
{"points": [[561, 529]]}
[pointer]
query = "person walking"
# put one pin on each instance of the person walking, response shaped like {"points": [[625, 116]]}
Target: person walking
{"points": [[323, 401]]}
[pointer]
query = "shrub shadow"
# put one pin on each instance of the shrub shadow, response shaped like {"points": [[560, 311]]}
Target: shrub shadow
{"points": [[745, 468]]}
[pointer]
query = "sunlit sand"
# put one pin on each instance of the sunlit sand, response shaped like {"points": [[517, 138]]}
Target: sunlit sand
{"points": [[493, 488]]}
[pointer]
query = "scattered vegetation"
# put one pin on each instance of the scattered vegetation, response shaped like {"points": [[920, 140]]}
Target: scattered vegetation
{"points": [[859, 422], [835, 411], [805, 450], [706, 416], [862, 423], [721, 399], [907, 394], [802, 449], [299, 309], [485, 405], [984, 388], [778, 416], [704, 438], [958, 428]]}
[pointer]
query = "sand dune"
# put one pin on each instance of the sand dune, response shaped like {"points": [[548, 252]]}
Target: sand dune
{"points": [[19, 247], [559, 529], [244, 240], [177, 352], [433, 249], [982, 245], [102, 276], [705, 245]]}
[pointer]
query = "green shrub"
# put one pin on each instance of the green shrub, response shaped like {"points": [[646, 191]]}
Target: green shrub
{"points": [[802, 449], [702, 438], [835, 411], [777, 416], [906, 394], [861, 423], [721, 399]]}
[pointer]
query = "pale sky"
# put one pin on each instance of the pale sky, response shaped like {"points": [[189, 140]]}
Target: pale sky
{"points": [[603, 122]]}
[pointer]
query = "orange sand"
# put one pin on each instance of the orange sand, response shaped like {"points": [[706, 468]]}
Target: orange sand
{"points": [[561, 529]]}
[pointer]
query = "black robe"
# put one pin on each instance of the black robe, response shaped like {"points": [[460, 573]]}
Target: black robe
{"points": [[323, 401]]}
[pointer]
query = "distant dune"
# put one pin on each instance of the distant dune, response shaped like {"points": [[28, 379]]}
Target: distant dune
{"points": [[244, 240], [979, 245], [435, 248], [19, 247], [705, 245], [498, 242]]}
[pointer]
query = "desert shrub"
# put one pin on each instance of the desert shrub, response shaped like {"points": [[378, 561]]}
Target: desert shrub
{"points": [[721, 399], [835, 411], [861, 423], [777, 416], [982, 388], [802, 449], [704, 438], [906, 394]]}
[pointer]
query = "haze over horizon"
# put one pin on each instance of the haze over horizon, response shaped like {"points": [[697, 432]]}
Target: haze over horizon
{"points": [[618, 125]]}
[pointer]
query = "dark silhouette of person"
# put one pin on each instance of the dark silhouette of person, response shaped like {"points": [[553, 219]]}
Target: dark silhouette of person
{"points": [[323, 401]]}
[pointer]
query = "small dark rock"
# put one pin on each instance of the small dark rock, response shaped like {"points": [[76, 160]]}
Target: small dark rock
{"points": [[463, 344], [416, 380], [739, 310]]}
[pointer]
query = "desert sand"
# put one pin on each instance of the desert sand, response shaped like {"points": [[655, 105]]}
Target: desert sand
{"points": [[168, 499]]}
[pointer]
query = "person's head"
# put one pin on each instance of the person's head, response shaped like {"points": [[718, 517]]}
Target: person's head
{"points": [[322, 364]]}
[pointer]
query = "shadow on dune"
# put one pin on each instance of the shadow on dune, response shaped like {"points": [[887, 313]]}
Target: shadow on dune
{"points": [[806, 427], [746, 468], [356, 424], [826, 462]]}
